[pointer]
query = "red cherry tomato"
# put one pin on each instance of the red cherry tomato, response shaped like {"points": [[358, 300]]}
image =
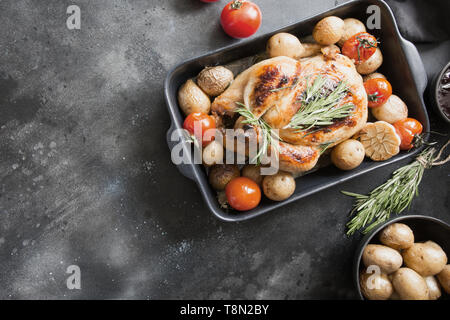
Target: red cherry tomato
{"points": [[243, 194], [240, 18], [378, 91], [408, 129], [204, 123], [360, 47]]}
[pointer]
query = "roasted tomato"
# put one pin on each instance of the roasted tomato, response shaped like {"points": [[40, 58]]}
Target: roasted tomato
{"points": [[243, 194], [204, 123], [409, 130], [240, 18], [378, 91], [360, 47]]}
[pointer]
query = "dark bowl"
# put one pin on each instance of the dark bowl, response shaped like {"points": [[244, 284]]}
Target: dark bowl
{"points": [[424, 228], [434, 93]]}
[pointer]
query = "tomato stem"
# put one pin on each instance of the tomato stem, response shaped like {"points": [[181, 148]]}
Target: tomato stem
{"points": [[237, 4]]}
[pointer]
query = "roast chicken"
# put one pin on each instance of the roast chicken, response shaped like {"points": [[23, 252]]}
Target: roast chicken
{"points": [[272, 89]]}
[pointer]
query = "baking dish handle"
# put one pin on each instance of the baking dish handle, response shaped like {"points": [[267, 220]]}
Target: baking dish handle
{"points": [[416, 65], [174, 138]]}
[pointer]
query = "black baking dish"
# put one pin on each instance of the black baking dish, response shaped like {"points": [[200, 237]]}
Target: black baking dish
{"points": [[402, 65]]}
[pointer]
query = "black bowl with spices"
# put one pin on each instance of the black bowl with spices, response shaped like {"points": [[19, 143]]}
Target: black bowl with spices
{"points": [[424, 228], [440, 91]]}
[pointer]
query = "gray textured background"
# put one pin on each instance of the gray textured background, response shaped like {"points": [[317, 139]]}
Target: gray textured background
{"points": [[86, 176]]}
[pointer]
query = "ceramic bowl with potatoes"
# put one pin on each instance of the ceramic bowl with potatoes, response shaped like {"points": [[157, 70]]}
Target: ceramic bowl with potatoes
{"points": [[406, 258]]}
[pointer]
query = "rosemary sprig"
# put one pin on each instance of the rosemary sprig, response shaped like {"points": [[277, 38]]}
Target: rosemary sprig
{"points": [[393, 196], [366, 44], [268, 135], [318, 105]]}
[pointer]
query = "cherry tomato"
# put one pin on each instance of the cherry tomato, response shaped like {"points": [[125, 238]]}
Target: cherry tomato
{"points": [[408, 129], [378, 91], [360, 47], [240, 18], [204, 123], [243, 194]]}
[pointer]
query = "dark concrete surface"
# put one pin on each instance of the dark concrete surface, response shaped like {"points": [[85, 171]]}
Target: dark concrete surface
{"points": [[86, 177]]}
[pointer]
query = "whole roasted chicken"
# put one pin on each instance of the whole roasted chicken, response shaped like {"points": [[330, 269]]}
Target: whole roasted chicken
{"points": [[314, 103]]}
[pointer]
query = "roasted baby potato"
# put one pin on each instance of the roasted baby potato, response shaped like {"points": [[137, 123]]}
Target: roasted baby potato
{"points": [[213, 81], [351, 27], [444, 278], [213, 153], [427, 259], [387, 259], [284, 44], [192, 99], [397, 236], [348, 154], [393, 110], [221, 174], [410, 285], [329, 30], [375, 286], [375, 75], [253, 172], [433, 287], [279, 187], [371, 64]]}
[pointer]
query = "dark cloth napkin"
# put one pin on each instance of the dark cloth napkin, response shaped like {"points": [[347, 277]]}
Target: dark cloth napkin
{"points": [[422, 21]]}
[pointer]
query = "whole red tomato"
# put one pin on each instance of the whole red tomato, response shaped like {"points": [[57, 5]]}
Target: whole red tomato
{"points": [[204, 123], [408, 129], [240, 18], [378, 91], [243, 194], [360, 47]]}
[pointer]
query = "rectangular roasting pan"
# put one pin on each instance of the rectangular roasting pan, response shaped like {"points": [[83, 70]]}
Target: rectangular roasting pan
{"points": [[402, 65]]}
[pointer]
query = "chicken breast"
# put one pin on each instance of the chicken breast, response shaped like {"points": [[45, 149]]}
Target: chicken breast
{"points": [[273, 90]]}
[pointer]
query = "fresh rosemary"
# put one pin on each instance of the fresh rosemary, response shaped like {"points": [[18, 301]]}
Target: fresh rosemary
{"points": [[366, 44], [319, 105], [268, 135], [393, 196]]}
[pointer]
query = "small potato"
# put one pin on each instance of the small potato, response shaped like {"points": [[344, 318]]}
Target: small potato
{"points": [[351, 27], [375, 75], [279, 187], [397, 236], [284, 44], [348, 154], [375, 286], [444, 278], [371, 64], [433, 287], [329, 30], [427, 258], [393, 110], [192, 99], [253, 172], [213, 81], [213, 153], [410, 285], [221, 174], [387, 259]]}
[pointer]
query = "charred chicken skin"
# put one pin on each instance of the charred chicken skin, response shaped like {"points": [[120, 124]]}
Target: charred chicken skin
{"points": [[274, 90]]}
